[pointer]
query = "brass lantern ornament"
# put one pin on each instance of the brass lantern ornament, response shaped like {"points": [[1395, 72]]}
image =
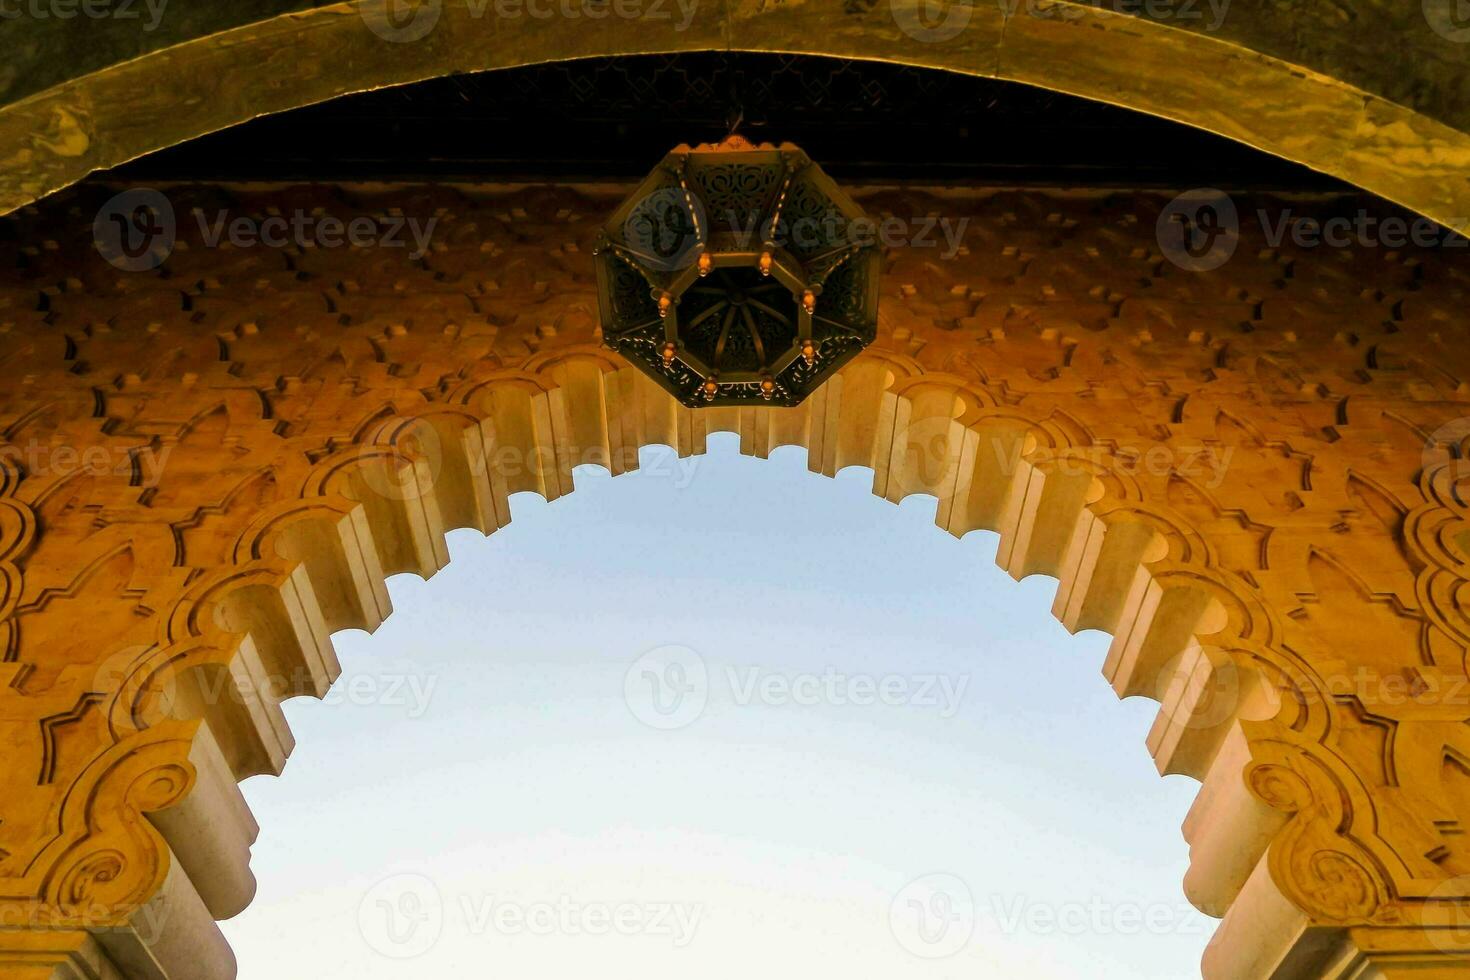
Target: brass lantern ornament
{"points": [[738, 275]]}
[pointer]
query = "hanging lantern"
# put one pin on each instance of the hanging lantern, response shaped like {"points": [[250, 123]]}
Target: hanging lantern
{"points": [[738, 274]]}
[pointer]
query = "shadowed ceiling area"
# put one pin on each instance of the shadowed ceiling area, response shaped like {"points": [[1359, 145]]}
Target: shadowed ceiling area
{"points": [[615, 117]]}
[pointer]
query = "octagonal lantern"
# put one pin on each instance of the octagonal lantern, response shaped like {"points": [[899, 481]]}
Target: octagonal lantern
{"points": [[738, 275]]}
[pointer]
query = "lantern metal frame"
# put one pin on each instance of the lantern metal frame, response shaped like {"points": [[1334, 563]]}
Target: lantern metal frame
{"points": [[673, 249]]}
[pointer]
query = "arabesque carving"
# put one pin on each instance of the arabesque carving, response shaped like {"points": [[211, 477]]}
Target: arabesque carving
{"points": [[1253, 477]]}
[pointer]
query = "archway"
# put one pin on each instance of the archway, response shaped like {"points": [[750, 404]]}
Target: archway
{"points": [[1380, 105], [1245, 475], [496, 767]]}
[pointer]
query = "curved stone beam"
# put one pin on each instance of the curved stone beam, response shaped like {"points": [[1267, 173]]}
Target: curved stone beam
{"points": [[1377, 94]]}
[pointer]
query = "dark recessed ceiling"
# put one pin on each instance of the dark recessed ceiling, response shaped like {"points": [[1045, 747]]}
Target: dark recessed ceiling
{"points": [[616, 117]]}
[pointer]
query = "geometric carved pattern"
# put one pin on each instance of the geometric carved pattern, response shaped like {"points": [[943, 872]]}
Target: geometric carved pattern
{"points": [[1252, 477]]}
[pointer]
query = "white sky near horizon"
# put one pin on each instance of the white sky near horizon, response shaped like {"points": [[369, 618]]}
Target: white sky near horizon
{"points": [[720, 718]]}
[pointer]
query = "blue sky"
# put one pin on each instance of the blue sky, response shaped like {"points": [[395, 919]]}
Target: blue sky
{"points": [[720, 718]]}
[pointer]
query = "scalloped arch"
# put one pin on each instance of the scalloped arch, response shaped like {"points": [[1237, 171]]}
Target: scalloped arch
{"points": [[419, 430]]}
